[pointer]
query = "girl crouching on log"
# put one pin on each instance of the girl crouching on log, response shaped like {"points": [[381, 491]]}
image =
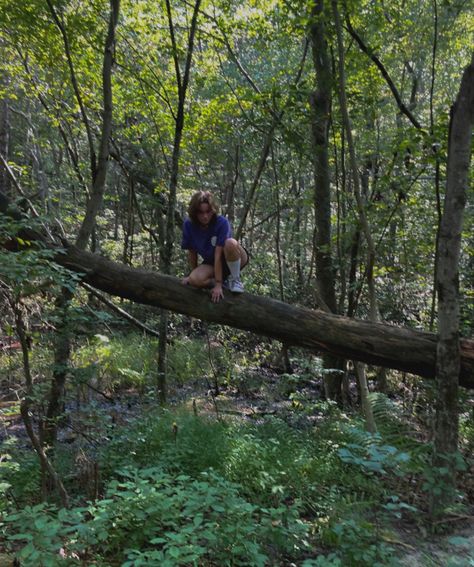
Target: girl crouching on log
{"points": [[209, 235]]}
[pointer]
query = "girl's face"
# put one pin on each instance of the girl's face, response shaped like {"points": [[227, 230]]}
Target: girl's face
{"points": [[204, 214]]}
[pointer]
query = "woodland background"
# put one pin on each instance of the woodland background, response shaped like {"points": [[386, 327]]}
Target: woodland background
{"points": [[136, 436]]}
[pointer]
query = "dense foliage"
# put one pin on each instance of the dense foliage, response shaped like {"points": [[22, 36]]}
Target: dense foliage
{"points": [[251, 463]]}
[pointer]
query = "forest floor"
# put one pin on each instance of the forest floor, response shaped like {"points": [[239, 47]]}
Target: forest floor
{"points": [[453, 546], [261, 395], [440, 552]]}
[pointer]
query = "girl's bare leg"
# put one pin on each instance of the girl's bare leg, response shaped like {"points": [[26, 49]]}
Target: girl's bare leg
{"points": [[233, 251], [202, 276]]}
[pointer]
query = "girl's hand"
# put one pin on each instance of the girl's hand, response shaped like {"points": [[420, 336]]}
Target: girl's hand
{"points": [[216, 293]]}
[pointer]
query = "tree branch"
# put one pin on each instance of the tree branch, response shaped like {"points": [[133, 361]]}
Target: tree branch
{"points": [[100, 173], [384, 73], [67, 50], [124, 314]]}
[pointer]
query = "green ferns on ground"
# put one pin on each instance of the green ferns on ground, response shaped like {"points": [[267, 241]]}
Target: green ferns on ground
{"points": [[181, 489]]}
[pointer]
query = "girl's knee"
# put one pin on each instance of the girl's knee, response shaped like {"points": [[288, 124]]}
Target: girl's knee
{"points": [[231, 244], [195, 280], [233, 251], [199, 278]]}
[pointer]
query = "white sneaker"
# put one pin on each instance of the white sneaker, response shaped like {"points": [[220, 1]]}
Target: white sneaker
{"points": [[236, 286]]}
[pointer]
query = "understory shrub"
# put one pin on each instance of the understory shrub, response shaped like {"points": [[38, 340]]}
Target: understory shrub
{"points": [[187, 360], [20, 475], [184, 489], [116, 361], [178, 442], [272, 461], [122, 361], [357, 543], [151, 517]]}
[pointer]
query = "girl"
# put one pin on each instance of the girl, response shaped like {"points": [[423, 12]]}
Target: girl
{"points": [[209, 234]]}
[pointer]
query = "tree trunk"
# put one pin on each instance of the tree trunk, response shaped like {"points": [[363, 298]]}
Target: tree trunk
{"points": [[99, 174], [375, 343], [320, 102], [361, 374], [47, 469], [167, 254], [62, 352], [448, 359], [4, 142]]}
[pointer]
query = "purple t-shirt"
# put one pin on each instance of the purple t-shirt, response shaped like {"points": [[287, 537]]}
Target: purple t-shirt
{"points": [[205, 240]]}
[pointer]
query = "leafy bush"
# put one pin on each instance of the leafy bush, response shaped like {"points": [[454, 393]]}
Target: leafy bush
{"points": [[358, 543], [150, 517], [32, 264], [374, 457], [354, 527], [396, 430], [178, 442], [236, 477], [275, 462], [8, 468], [272, 461], [188, 520], [20, 476], [130, 361], [187, 360], [116, 361], [47, 535]]}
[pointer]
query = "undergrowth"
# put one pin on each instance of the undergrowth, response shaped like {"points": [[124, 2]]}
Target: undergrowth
{"points": [[309, 488], [182, 489]]}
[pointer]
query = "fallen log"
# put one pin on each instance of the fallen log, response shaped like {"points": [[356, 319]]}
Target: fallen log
{"points": [[380, 344]]}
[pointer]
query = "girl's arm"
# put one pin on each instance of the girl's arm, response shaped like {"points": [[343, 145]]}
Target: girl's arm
{"points": [[192, 259], [217, 293], [193, 262]]}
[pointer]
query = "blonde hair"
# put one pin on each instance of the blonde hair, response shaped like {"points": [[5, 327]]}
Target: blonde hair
{"points": [[197, 200]]}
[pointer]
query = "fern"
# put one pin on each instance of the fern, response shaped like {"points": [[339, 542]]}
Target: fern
{"points": [[396, 430]]}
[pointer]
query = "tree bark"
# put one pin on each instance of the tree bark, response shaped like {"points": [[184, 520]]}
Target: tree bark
{"points": [[448, 360], [381, 344], [321, 111], [320, 102], [375, 343]]}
